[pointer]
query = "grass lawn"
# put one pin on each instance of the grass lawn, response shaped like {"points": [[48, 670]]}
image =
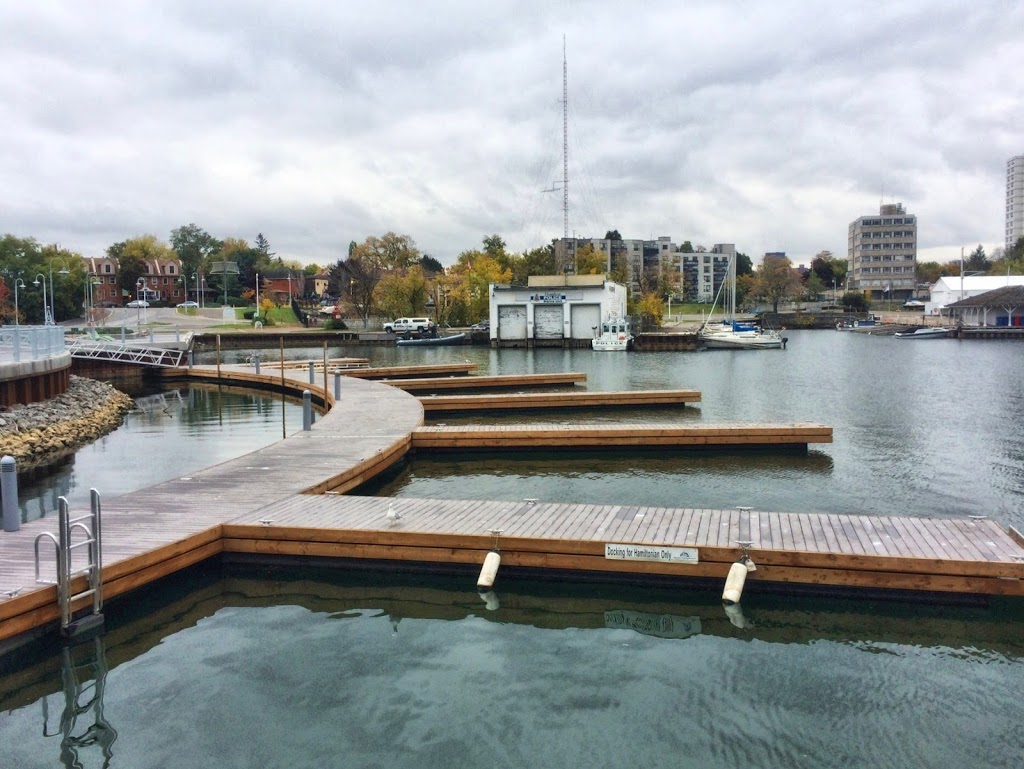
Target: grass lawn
{"points": [[280, 316]]}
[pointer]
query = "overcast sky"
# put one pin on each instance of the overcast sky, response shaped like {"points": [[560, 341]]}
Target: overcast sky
{"points": [[771, 125]]}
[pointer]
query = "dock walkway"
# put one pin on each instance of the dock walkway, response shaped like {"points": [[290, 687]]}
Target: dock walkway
{"points": [[243, 505]]}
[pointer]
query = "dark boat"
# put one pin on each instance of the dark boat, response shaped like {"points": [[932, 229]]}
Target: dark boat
{"points": [[433, 341]]}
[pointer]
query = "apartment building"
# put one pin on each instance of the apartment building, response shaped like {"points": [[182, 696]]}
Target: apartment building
{"points": [[882, 252], [705, 272], [160, 283], [1014, 200]]}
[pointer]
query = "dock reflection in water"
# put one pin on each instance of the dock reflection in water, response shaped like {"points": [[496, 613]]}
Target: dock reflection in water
{"points": [[306, 668]]}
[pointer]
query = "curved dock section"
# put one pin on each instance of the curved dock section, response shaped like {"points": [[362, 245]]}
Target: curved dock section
{"points": [[164, 528]]}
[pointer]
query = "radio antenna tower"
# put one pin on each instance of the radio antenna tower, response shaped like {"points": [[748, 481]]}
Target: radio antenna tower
{"points": [[565, 139]]}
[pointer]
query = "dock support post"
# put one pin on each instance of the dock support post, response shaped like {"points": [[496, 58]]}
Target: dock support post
{"points": [[9, 492], [256, 361], [151, 335], [337, 384], [122, 333], [307, 410], [177, 334], [312, 372], [191, 358]]}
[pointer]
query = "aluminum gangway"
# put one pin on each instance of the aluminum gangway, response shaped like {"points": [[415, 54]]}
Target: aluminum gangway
{"points": [[127, 352]]}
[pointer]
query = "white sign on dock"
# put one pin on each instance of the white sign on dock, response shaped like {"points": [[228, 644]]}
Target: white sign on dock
{"points": [[658, 625], [650, 553]]}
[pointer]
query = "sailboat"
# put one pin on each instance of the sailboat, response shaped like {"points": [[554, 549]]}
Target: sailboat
{"points": [[731, 334]]}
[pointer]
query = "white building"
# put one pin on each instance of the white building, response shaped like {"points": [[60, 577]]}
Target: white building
{"points": [[553, 310], [1014, 200], [946, 291]]}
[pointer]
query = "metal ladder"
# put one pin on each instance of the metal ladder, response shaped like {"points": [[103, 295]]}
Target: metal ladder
{"points": [[65, 546]]}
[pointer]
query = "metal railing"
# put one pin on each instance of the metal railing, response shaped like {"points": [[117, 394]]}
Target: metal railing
{"points": [[64, 546], [25, 343], [126, 353]]}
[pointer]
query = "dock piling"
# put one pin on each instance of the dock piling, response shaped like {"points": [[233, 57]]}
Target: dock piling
{"points": [[307, 410], [256, 361], [337, 384], [9, 492], [312, 372]]}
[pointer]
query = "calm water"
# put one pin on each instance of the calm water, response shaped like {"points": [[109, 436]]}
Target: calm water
{"points": [[920, 427], [306, 669], [169, 433], [240, 667]]}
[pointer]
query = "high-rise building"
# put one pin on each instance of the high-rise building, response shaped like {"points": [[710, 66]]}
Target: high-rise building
{"points": [[882, 253], [1014, 200]]}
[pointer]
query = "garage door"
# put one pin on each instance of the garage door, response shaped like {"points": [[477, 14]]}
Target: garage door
{"points": [[547, 321], [511, 322], [585, 317]]}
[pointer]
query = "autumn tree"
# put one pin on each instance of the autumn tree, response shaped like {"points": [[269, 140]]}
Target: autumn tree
{"points": [[368, 262], [776, 280], [134, 256], [403, 293], [590, 261], [471, 277], [651, 310], [536, 261]]}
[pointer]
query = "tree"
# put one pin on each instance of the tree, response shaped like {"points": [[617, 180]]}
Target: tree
{"points": [[776, 280], [686, 248], [670, 280], [430, 265], [590, 261], [135, 257], [821, 266], [494, 245], [977, 261], [651, 310], [744, 265], [814, 286], [929, 272], [405, 293], [262, 245], [6, 305], [855, 301], [536, 261], [469, 289], [193, 246], [612, 235]]}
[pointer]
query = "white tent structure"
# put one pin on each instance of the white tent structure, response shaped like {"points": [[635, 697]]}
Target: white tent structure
{"points": [[946, 291]]}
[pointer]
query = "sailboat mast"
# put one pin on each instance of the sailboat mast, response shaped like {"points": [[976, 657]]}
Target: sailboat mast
{"points": [[565, 139], [732, 288]]}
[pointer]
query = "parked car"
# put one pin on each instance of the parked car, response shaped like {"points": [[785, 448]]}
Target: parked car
{"points": [[484, 325], [138, 303], [189, 305], [409, 325]]}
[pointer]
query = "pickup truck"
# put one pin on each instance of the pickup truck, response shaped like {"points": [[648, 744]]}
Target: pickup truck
{"points": [[409, 325]]}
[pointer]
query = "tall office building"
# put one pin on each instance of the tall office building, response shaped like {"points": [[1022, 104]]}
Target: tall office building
{"points": [[882, 253], [1014, 200]]}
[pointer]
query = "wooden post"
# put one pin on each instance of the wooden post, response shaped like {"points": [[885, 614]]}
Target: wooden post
{"points": [[325, 375], [218, 356]]}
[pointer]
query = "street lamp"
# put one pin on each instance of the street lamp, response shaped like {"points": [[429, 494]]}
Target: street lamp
{"points": [[47, 318], [200, 288], [257, 313], [140, 284], [17, 282], [184, 280], [62, 271]]}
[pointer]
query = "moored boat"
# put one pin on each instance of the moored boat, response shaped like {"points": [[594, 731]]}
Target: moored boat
{"points": [[928, 332], [433, 341], [615, 336]]}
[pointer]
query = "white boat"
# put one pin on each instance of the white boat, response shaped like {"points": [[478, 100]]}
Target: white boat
{"points": [[733, 335], [930, 332], [615, 335]]}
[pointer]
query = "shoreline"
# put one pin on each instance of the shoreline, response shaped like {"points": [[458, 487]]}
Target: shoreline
{"points": [[40, 433]]}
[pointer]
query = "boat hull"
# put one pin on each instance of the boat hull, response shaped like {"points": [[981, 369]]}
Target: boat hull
{"points": [[432, 341], [924, 333], [741, 341]]}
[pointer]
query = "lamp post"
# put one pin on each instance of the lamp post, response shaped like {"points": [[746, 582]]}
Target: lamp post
{"points": [[184, 280], [17, 282], [200, 288], [140, 284], [257, 313], [47, 319], [62, 271]]}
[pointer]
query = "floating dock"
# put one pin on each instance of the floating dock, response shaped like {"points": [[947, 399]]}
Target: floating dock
{"points": [[639, 435], [271, 502], [558, 400], [505, 382]]}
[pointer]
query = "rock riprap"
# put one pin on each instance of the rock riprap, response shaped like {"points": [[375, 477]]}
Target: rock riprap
{"points": [[41, 432]]}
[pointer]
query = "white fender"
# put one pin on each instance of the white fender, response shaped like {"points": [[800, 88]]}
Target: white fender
{"points": [[489, 570], [734, 583]]}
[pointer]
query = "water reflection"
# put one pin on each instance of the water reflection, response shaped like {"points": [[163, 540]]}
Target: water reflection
{"points": [[168, 433], [393, 670]]}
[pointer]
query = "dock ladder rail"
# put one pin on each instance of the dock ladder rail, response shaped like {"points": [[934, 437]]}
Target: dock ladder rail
{"points": [[65, 546]]}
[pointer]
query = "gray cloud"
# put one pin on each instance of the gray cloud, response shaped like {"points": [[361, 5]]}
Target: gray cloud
{"points": [[767, 124]]}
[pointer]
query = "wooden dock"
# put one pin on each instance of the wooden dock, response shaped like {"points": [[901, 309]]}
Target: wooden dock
{"points": [[638, 435], [271, 502], [884, 552], [558, 400], [505, 382]]}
